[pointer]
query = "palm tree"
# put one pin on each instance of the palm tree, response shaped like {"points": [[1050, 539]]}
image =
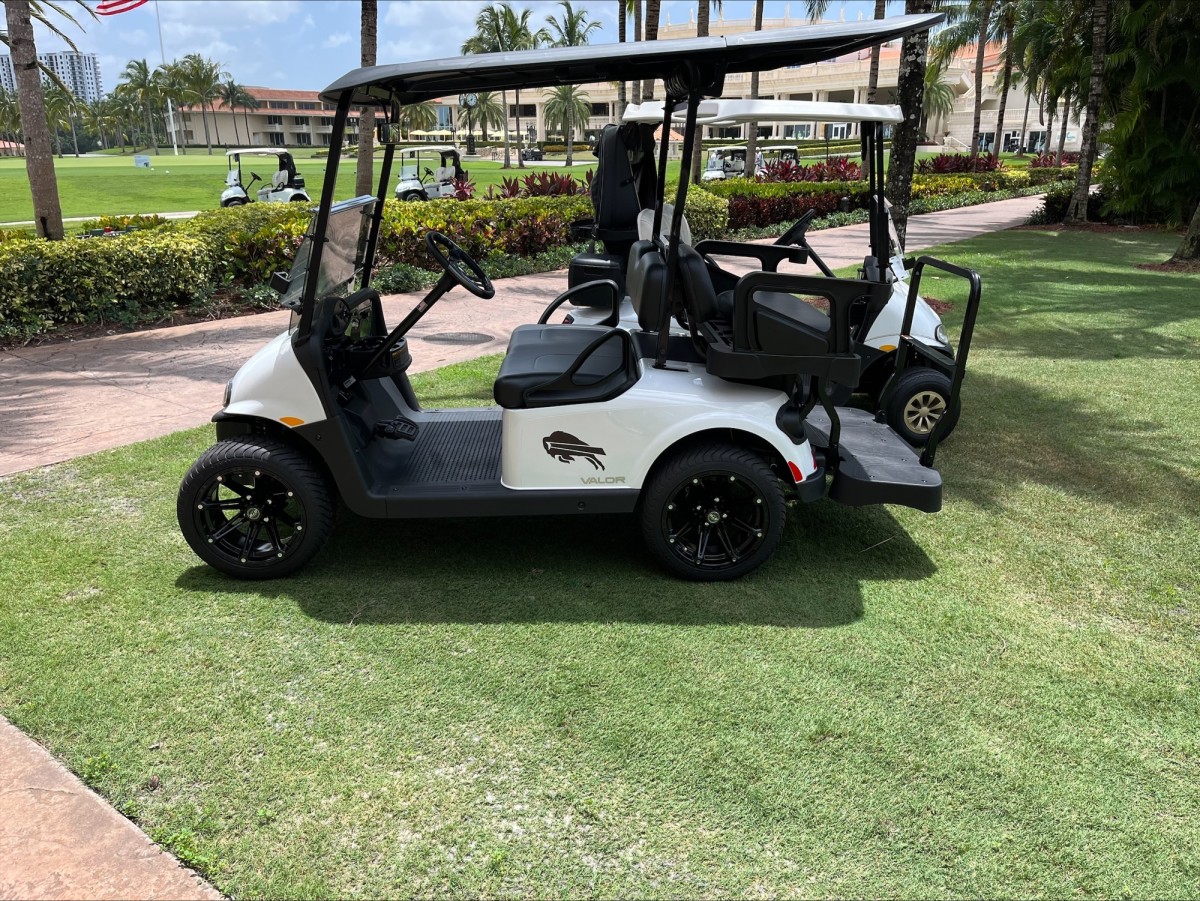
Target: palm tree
{"points": [[365, 170], [59, 107], [702, 20], [138, 83], [39, 161], [1077, 210], [567, 107], [417, 117], [752, 127], [204, 77], [173, 85], [938, 99], [98, 119], [574, 29], [10, 121], [653, 9], [637, 36], [247, 101], [230, 93], [910, 90], [498, 29]]}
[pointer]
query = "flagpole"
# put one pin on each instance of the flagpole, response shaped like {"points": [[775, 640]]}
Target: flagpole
{"points": [[170, 106]]}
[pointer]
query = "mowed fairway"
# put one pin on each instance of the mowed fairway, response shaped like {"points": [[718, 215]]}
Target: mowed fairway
{"points": [[112, 185], [998, 700]]}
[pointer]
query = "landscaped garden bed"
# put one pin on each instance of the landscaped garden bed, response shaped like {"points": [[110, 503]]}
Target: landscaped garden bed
{"points": [[219, 262], [996, 700]]}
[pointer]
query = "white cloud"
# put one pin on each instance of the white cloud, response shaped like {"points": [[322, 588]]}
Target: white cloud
{"points": [[336, 40]]}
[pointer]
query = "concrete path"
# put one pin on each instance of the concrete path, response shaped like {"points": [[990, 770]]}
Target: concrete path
{"points": [[65, 400], [58, 839], [29, 223]]}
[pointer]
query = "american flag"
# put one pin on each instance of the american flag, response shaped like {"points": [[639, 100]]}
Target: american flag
{"points": [[112, 7]]}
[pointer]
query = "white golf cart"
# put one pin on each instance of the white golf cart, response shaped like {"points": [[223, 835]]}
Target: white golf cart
{"points": [[777, 153], [724, 162], [286, 184], [706, 437], [913, 398], [417, 181]]}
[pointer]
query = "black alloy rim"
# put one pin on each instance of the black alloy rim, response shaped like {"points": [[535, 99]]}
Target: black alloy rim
{"points": [[715, 520], [249, 516]]}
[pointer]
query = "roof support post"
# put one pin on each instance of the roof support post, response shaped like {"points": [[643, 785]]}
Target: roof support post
{"points": [[668, 108], [685, 171], [308, 298], [385, 175]]}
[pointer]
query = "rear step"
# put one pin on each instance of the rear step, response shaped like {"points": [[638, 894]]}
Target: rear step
{"points": [[876, 466]]}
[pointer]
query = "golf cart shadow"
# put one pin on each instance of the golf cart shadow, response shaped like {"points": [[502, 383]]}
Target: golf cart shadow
{"points": [[592, 569]]}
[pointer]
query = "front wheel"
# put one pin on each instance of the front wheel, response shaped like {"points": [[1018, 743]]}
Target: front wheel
{"points": [[254, 508], [412, 195], [713, 513], [237, 201], [919, 402]]}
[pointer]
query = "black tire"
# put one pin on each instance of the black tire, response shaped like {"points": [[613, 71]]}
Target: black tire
{"points": [[235, 202], [918, 403], [243, 537], [298, 198], [681, 500], [412, 195]]}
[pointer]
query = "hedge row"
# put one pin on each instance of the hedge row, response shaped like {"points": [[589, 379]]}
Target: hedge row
{"points": [[134, 278]]}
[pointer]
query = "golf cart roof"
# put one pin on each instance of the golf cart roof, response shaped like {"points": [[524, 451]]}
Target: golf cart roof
{"points": [[428, 148], [773, 147], [258, 151], [737, 112], [725, 147], [414, 82]]}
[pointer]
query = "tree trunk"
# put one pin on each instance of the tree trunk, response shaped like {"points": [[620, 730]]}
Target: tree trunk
{"points": [[653, 7], [1024, 124], [1053, 106], [621, 15], [237, 135], [979, 54], [216, 125], [570, 140], [910, 90], [504, 132], [74, 135], [702, 12], [1077, 211], [1190, 248], [873, 77], [39, 164], [1062, 133], [204, 119], [751, 127], [517, 119], [1007, 78], [365, 171], [637, 36]]}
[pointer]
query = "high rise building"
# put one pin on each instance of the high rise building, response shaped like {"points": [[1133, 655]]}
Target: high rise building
{"points": [[80, 72]]}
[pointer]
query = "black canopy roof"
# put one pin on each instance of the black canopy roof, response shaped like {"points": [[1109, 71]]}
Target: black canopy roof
{"points": [[757, 51]]}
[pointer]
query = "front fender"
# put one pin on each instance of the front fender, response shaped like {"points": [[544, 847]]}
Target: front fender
{"points": [[272, 385]]}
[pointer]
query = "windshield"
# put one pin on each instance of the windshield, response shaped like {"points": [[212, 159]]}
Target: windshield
{"points": [[345, 237], [715, 159]]}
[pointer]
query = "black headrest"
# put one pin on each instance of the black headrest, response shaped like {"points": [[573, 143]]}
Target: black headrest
{"points": [[699, 297], [644, 281], [614, 193]]}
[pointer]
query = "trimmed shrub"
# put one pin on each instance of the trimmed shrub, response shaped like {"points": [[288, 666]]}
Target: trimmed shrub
{"points": [[16, 234], [119, 223], [1050, 175], [707, 214], [126, 280], [838, 168], [247, 243], [1058, 198], [1051, 161], [948, 163]]}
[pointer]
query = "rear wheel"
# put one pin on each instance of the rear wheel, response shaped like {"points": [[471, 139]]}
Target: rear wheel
{"points": [[919, 402], [254, 508], [713, 513], [412, 195], [237, 201]]}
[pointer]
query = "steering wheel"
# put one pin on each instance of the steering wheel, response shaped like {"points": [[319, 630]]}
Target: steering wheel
{"points": [[459, 264], [429, 172], [798, 228]]}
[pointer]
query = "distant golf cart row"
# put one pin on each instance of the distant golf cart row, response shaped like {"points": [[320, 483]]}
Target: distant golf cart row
{"points": [[417, 181]]}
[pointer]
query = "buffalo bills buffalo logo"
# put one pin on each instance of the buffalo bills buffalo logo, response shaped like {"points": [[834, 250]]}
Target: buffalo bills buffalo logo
{"points": [[567, 448]]}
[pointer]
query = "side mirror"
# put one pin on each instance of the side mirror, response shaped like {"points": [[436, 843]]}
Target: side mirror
{"points": [[388, 133]]}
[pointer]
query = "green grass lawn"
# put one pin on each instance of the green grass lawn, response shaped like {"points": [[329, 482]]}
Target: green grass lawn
{"points": [[1000, 699], [112, 185]]}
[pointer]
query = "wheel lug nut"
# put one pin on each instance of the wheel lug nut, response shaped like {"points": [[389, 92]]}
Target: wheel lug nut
{"points": [[289, 494], [733, 478], [199, 506], [243, 559], [670, 506], [758, 500], [759, 534], [695, 481], [257, 472]]}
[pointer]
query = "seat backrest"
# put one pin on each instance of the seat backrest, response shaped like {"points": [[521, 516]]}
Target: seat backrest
{"points": [[614, 194], [232, 180], [645, 225], [699, 296], [444, 174], [644, 281], [279, 180]]}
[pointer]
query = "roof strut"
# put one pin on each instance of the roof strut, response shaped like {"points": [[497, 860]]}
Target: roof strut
{"points": [[685, 171]]}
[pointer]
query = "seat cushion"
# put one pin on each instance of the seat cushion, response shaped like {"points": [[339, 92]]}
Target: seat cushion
{"points": [[778, 302], [537, 354]]}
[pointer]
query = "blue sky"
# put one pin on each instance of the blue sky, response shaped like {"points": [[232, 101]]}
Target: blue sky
{"points": [[306, 44]]}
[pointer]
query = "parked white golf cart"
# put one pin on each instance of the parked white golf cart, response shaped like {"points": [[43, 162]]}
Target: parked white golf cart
{"points": [[912, 398], [418, 181], [706, 438], [286, 184], [777, 153], [724, 162]]}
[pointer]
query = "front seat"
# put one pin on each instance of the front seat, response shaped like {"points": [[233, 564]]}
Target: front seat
{"points": [[552, 365]]}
